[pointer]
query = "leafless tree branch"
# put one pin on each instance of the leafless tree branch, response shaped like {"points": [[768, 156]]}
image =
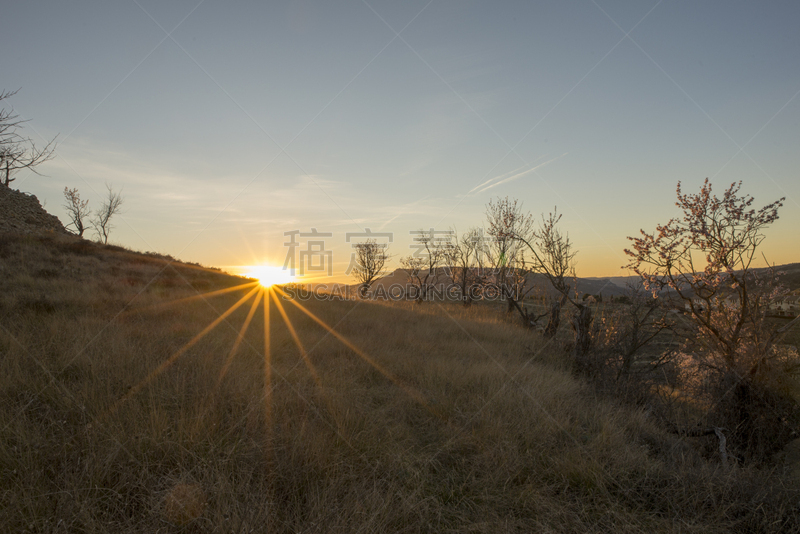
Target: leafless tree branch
{"points": [[101, 221], [18, 152]]}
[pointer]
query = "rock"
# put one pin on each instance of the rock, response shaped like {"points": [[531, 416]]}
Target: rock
{"points": [[22, 213]]}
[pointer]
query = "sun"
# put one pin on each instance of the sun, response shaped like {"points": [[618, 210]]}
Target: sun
{"points": [[270, 275]]}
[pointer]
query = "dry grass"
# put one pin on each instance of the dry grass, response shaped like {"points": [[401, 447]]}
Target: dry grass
{"points": [[475, 425]]}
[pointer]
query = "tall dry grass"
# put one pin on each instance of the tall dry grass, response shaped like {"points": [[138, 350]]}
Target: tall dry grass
{"points": [[465, 422]]}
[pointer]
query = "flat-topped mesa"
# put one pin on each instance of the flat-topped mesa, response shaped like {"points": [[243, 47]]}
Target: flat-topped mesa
{"points": [[22, 213]]}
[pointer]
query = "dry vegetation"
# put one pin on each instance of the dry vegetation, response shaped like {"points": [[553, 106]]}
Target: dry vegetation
{"points": [[481, 427]]}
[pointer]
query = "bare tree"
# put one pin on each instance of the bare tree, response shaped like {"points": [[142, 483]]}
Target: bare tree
{"points": [[101, 221], [508, 226], [77, 209], [18, 152], [370, 262], [466, 257], [556, 259], [553, 257], [424, 268]]}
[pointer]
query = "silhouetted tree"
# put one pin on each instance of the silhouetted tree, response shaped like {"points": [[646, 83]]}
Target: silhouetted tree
{"points": [[465, 256], [370, 262], [16, 151], [508, 228], [423, 269], [552, 256], [77, 209], [101, 221]]}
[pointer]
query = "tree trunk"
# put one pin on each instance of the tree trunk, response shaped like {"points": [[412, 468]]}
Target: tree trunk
{"points": [[554, 320], [631, 345], [423, 293], [466, 297], [582, 324], [527, 318]]}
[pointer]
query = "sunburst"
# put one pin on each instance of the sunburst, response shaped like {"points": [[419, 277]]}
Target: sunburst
{"points": [[270, 275], [260, 292]]}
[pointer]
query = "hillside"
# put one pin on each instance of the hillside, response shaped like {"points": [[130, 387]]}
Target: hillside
{"points": [[790, 275], [132, 399]]}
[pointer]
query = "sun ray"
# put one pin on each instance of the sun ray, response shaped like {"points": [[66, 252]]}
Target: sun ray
{"points": [[196, 297], [296, 339], [239, 338], [267, 366], [411, 392], [172, 359], [304, 356]]}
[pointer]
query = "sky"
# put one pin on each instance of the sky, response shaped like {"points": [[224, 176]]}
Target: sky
{"points": [[229, 125]]}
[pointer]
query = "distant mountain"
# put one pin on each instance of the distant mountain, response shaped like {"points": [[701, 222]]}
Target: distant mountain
{"points": [[593, 286], [789, 277], [607, 286], [619, 281]]}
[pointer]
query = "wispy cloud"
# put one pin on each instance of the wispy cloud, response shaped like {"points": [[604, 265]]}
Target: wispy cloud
{"points": [[515, 175]]}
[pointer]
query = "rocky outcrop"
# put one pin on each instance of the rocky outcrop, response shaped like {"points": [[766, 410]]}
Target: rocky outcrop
{"points": [[22, 213]]}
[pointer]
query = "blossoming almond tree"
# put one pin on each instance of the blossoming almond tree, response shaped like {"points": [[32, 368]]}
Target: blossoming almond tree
{"points": [[703, 262]]}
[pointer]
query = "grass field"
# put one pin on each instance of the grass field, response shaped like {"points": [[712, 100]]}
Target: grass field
{"points": [[116, 416]]}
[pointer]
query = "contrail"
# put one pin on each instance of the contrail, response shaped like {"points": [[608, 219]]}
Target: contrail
{"points": [[520, 175]]}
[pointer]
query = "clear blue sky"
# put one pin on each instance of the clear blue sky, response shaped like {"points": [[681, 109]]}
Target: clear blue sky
{"points": [[228, 124]]}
